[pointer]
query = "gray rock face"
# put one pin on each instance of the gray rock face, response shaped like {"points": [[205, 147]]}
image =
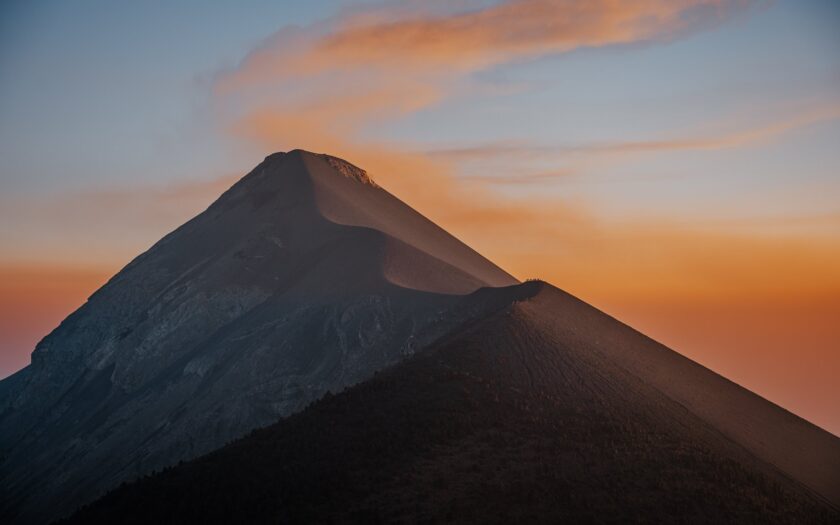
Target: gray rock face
{"points": [[305, 277]]}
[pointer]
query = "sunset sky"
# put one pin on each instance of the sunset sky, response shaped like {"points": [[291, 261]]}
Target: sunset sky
{"points": [[675, 163]]}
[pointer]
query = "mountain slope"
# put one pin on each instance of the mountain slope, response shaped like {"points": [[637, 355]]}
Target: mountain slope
{"points": [[342, 201], [541, 410], [304, 277]]}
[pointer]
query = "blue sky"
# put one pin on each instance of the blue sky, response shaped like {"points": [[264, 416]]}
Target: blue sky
{"points": [[96, 92]]}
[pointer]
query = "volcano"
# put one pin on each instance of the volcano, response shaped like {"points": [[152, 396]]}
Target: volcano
{"points": [[343, 359]]}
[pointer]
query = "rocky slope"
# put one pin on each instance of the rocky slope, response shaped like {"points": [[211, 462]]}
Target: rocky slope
{"points": [[540, 410], [305, 277]]}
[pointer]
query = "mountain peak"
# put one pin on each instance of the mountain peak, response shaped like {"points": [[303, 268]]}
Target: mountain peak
{"points": [[347, 169]]}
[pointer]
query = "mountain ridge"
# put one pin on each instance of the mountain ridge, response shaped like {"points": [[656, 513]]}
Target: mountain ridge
{"points": [[502, 420], [207, 334]]}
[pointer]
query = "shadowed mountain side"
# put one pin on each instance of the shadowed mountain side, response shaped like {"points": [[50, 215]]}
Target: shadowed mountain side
{"points": [[797, 447], [244, 314], [520, 416], [343, 201]]}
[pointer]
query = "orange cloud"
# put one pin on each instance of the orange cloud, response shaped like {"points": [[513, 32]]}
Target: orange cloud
{"points": [[319, 88], [756, 135], [407, 42]]}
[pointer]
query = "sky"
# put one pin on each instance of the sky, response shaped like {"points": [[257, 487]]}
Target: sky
{"points": [[675, 163]]}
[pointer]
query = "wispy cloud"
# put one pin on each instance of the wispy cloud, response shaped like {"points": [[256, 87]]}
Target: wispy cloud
{"points": [[524, 178], [329, 81], [746, 137], [400, 40], [756, 135]]}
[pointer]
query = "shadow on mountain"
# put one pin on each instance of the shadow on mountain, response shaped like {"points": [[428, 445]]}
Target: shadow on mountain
{"points": [[522, 415]]}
